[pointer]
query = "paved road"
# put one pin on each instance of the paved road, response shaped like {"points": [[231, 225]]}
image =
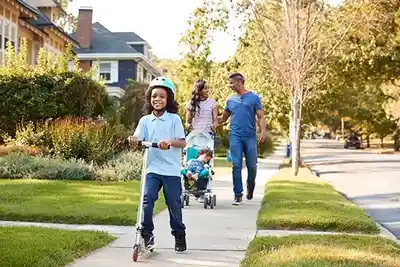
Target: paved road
{"points": [[370, 180]]}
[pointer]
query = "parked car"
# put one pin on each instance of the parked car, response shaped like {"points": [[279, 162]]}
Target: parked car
{"points": [[352, 141]]}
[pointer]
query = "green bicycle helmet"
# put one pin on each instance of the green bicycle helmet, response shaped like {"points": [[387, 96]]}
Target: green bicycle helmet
{"points": [[162, 82]]}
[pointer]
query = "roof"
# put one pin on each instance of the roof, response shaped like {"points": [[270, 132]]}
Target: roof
{"points": [[42, 21], [104, 41], [129, 36], [113, 45], [27, 6]]}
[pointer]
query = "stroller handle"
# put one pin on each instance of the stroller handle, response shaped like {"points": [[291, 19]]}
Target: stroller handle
{"points": [[149, 144]]}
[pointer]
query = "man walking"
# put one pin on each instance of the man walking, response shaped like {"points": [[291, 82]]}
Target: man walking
{"points": [[243, 109]]}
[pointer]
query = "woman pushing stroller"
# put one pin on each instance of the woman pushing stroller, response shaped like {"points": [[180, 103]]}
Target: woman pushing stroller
{"points": [[201, 111]]}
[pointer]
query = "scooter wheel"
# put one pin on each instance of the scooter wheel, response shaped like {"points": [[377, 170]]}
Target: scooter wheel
{"points": [[135, 254]]}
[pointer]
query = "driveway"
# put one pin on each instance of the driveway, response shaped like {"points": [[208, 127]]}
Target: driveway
{"points": [[370, 180]]}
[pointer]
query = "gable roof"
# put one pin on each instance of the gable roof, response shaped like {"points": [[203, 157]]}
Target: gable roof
{"points": [[111, 45], [104, 41], [41, 21]]}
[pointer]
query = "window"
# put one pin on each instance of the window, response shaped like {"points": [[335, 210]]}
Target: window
{"points": [[8, 32], [35, 52], [105, 71], [148, 78], [139, 76], [50, 48]]}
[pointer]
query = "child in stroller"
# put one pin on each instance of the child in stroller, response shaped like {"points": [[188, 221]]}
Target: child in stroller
{"points": [[197, 172]]}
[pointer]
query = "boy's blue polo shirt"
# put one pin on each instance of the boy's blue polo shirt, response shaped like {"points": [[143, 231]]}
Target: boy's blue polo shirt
{"points": [[155, 129], [243, 113]]}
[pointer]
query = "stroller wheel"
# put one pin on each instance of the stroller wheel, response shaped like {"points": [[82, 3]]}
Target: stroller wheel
{"points": [[211, 201], [187, 200], [182, 202], [214, 200], [205, 202]]}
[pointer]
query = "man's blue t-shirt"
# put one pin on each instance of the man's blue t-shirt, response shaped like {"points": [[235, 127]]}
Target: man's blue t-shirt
{"points": [[243, 113]]}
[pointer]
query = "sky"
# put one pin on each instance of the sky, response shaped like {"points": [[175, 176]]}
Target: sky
{"points": [[160, 22]]}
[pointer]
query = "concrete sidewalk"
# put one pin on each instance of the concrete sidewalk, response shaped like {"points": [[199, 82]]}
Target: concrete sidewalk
{"points": [[217, 237]]}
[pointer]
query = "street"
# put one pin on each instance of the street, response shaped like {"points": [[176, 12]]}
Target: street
{"points": [[370, 180]]}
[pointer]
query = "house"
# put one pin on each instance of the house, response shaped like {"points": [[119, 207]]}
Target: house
{"points": [[120, 55], [36, 21]]}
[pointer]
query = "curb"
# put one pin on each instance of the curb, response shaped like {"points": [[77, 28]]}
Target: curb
{"points": [[383, 230], [314, 172], [386, 233]]}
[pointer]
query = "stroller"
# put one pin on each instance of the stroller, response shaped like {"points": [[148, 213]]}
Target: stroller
{"points": [[202, 187]]}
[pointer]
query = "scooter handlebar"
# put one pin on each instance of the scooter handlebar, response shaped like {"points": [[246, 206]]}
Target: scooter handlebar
{"points": [[149, 144]]}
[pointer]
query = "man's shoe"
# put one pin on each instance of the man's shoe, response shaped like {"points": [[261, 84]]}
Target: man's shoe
{"points": [[250, 191], [180, 242], [237, 201]]}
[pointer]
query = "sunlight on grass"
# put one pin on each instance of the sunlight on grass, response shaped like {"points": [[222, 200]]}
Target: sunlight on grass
{"points": [[39, 247], [327, 251], [82, 202], [306, 202]]}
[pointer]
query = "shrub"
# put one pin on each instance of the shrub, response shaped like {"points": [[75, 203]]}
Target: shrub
{"points": [[17, 166], [131, 104], [49, 90], [83, 139], [265, 147], [125, 166], [22, 149], [30, 135]]}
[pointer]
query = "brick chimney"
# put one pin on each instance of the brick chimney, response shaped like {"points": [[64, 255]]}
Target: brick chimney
{"points": [[84, 28]]}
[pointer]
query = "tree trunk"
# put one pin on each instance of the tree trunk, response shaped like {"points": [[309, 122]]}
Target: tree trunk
{"points": [[296, 142], [381, 142], [396, 144], [368, 141]]}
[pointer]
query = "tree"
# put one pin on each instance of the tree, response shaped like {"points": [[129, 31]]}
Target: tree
{"points": [[131, 104], [368, 58], [205, 21], [66, 20], [299, 38]]}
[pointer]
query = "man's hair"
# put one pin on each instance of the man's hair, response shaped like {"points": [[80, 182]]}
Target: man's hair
{"points": [[237, 76], [206, 151]]}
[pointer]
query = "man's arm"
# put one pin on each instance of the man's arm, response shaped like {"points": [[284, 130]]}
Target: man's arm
{"points": [[263, 126]]}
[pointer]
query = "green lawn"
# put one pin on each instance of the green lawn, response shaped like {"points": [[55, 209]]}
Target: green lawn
{"points": [[83, 202], [322, 251], [45, 247], [306, 202]]}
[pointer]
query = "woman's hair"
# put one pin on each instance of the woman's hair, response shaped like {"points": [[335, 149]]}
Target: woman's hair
{"points": [[206, 151], [171, 107], [199, 86]]}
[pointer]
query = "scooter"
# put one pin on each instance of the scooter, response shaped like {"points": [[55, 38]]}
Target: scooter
{"points": [[139, 248]]}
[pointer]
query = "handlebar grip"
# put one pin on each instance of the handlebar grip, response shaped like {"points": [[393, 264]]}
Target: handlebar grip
{"points": [[155, 145], [149, 144]]}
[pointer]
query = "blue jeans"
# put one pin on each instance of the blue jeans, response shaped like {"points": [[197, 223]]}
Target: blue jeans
{"points": [[238, 146], [172, 189]]}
